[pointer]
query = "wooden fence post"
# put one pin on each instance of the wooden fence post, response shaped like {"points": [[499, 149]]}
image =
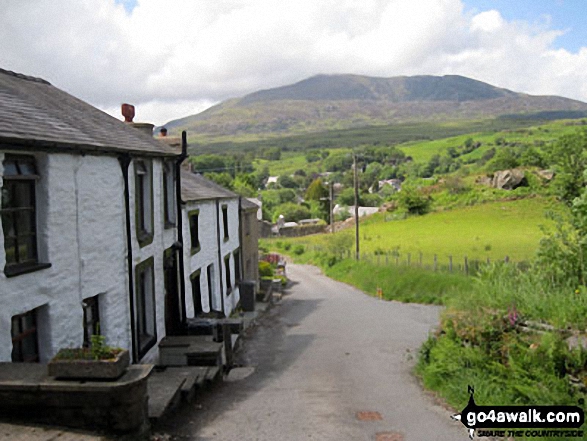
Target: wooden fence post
{"points": [[450, 264], [507, 259], [386, 258], [409, 258], [420, 259], [466, 266], [435, 262]]}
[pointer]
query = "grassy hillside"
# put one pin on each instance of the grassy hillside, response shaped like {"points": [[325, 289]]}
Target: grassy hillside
{"points": [[492, 230], [486, 133]]}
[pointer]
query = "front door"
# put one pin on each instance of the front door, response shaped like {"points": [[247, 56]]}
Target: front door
{"points": [[172, 313]]}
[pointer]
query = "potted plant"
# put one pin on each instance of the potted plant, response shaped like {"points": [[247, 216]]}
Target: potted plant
{"points": [[99, 361]]}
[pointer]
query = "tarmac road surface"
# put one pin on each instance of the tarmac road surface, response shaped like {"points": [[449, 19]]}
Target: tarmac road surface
{"points": [[327, 363]]}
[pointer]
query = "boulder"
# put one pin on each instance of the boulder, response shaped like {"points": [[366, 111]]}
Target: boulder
{"points": [[508, 179], [546, 175]]}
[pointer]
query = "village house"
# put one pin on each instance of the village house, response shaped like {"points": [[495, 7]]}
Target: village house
{"points": [[212, 253], [249, 219], [89, 240]]}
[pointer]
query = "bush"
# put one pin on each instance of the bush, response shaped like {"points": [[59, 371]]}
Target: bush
{"points": [[265, 269], [299, 250], [413, 200]]}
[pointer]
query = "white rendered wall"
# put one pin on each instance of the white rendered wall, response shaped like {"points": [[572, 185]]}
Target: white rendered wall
{"points": [[80, 227], [210, 214], [162, 240], [228, 248], [82, 233]]}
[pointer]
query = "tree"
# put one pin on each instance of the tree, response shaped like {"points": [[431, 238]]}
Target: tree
{"points": [[569, 160], [286, 181], [223, 179], [316, 191], [291, 212], [413, 200], [505, 158], [243, 185], [338, 162]]}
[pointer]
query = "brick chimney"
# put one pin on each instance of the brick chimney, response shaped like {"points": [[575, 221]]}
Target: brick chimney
{"points": [[128, 111]]}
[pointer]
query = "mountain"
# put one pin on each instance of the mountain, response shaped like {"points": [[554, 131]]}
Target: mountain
{"points": [[334, 102]]}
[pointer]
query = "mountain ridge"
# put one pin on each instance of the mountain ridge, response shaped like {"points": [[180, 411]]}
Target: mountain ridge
{"points": [[333, 102]]}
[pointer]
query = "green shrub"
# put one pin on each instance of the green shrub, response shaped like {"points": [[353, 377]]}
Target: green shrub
{"points": [[299, 250], [265, 269]]}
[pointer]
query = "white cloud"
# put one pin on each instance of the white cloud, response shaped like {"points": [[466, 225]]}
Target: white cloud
{"points": [[171, 57]]}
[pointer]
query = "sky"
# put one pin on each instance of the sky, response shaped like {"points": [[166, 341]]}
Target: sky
{"points": [[173, 58]]}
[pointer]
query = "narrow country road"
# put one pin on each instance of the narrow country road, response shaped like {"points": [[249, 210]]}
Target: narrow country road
{"points": [[321, 357]]}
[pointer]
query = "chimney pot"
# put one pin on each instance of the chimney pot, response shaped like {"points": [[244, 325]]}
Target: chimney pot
{"points": [[163, 131], [128, 111]]}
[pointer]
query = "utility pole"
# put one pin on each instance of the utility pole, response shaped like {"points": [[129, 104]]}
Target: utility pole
{"points": [[356, 182], [331, 208]]}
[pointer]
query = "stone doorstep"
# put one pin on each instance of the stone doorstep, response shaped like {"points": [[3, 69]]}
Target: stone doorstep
{"points": [[189, 350], [173, 384], [164, 393]]}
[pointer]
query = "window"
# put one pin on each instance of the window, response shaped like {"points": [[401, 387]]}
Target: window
{"points": [[18, 213], [227, 273], [168, 195], [196, 293], [144, 202], [25, 346], [145, 324], [225, 221], [91, 319], [210, 277], [194, 217], [237, 266]]}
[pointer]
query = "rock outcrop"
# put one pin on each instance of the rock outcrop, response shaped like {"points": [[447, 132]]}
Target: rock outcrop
{"points": [[508, 179]]}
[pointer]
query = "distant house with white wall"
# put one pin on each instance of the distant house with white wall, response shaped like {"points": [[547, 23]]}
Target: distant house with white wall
{"points": [[212, 254], [89, 237]]}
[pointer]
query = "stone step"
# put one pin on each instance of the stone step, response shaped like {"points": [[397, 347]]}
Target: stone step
{"points": [[189, 350], [164, 393], [195, 377], [212, 374]]}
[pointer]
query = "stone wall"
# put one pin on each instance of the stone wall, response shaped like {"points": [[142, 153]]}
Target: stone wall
{"points": [[302, 230], [118, 407]]}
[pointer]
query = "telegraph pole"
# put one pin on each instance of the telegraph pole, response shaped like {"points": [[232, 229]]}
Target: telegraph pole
{"points": [[331, 207], [356, 182]]}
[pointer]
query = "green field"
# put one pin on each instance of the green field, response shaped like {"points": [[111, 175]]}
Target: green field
{"points": [[422, 151], [492, 230]]}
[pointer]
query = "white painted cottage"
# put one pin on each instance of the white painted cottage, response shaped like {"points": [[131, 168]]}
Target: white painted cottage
{"points": [[89, 228], [212, 253]]}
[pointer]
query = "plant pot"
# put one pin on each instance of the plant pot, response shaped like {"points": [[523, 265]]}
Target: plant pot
{"points": [[79, 369]]}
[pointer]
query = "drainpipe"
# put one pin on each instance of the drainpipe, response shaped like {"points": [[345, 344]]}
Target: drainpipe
{"points": [[124, 164], [179, 249], [240, 239], [220, 262]]}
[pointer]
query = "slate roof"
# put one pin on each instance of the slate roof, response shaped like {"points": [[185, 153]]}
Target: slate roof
{"points": [[195, 187], [34, 114], [247, 204]]}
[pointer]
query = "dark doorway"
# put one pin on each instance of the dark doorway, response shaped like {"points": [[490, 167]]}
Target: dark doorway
{"points": [[172, 313], [197, 293]]}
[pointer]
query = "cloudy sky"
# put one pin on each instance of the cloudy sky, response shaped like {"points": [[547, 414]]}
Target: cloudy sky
{"points": [[172, 58]]}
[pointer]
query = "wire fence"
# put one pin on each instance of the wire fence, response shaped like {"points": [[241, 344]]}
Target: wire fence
{"points": [[434, 262]]}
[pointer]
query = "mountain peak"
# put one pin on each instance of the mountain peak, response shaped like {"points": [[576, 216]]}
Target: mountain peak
{"points": [[395, 89]]}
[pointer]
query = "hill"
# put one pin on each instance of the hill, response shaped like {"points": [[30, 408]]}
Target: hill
{"points": [[337, 102]]}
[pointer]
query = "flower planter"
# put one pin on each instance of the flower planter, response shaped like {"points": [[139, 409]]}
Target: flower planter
{"points": [[80, 369]]}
